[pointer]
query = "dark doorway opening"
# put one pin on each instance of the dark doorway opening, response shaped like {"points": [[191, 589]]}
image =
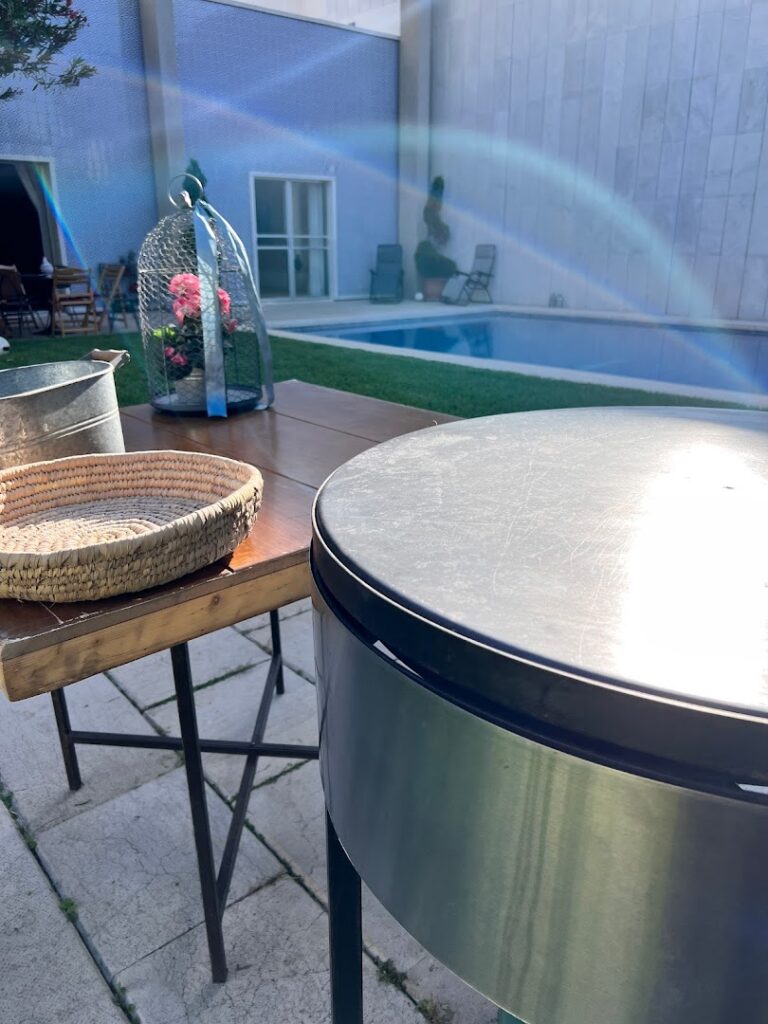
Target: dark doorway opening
{"points": [[21, 239]]}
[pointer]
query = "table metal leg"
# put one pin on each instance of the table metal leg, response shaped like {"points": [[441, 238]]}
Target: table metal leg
{"points": [[345, 933], [277, 650], [214, 889], [68, 751], [182, 677]]}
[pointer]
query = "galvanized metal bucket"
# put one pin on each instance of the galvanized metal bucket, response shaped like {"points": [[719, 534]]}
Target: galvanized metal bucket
{"points": [[51, 410]]}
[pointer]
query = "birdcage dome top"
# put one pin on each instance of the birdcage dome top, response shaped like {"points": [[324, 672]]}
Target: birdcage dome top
{"points": [[205, 340]]}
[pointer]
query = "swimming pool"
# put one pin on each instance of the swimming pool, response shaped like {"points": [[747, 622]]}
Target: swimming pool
{"points": [[735, 361]]}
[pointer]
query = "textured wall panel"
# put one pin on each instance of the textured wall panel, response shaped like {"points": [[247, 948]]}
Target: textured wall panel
{"points": [[276, 95], [97, 136], [260, 93], [627, 144]]}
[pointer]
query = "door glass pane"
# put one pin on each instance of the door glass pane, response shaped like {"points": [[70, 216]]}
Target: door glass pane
{"points": [[270, 206], [309, 216], [273, 273], [295, 265], [311, 272]]}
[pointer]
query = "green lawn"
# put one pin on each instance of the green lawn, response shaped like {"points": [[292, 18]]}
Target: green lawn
{"points": [[445, 387]]}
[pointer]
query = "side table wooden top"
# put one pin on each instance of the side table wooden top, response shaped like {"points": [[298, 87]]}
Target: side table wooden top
{"points": [[308, 433]]}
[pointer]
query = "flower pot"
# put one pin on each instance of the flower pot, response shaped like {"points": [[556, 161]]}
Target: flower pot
{"points": [[432, 288], [190, 391]]}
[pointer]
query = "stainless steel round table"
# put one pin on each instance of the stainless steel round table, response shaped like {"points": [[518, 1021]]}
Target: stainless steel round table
{"points": [[542, 652]]}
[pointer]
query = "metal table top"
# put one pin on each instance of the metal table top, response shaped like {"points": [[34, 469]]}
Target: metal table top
{"points": [[513, 559]]}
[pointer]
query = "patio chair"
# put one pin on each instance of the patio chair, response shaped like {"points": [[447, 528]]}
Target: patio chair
{"points": [[461, 288], [127, 299], [109, 294], [15, 304], [387, 278], [74, 303]]}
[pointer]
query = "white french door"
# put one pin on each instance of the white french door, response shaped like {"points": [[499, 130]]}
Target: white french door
{"points": [[293, 235]]}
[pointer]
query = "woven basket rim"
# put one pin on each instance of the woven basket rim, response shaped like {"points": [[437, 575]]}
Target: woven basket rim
{"points": [[108, 550]]}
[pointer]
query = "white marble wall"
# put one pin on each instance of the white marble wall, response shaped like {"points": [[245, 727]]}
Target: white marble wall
{"points": [[613, 149]]}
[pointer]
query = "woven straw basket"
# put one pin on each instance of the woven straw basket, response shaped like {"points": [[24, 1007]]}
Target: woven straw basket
{"points": [[93, 526]]}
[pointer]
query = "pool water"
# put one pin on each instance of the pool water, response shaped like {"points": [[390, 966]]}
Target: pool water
{"points": [[700, 357]]}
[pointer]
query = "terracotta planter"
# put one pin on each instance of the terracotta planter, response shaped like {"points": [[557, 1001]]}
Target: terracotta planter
{"points": [[432, 287]]}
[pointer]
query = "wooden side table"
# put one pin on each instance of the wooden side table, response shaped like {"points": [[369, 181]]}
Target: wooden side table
{"points": [[43, 648]]}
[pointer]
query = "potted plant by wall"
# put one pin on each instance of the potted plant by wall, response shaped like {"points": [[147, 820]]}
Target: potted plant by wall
{"points": [[433, 269], [432, 266]]}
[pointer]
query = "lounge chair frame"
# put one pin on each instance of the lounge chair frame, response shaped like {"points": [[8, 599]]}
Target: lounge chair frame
{"points": [[387, 278], [477, 279]]}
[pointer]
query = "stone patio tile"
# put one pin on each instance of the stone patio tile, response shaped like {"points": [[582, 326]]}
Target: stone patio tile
{"points": [[30, 756], [290, 815], [130, 865], [47, 975], [228, 711], [150, 680], [277, 945], [298, 649], [295, 608]]}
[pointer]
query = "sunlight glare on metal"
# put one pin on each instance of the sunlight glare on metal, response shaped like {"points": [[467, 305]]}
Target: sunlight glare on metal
{"points": [[696, 610]]}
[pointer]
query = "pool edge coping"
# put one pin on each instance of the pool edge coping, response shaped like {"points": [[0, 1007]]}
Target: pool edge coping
{"points": [[754, 401], [376, 312]]}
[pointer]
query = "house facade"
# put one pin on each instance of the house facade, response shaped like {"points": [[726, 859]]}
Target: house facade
{"points": [[292, 121], [614, 150]]}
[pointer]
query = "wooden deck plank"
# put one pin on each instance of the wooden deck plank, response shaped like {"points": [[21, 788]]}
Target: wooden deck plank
{"points": [[371, 418], [281, 444], [68, 656]]}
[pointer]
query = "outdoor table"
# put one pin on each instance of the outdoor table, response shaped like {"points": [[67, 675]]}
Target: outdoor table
{"points": [[542, 671], [308, 433]]}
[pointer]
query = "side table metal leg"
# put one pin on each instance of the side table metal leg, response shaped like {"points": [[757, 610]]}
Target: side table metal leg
{"points": [[345, 933], [182, 677], [68, 751], [277, 650]]}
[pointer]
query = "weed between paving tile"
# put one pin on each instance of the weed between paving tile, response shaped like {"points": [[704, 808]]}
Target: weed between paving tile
{"points": [[280, 775], [385, 969], [68, 906], [431, 1010], [267, 648], [238, 670], [233, 903]]}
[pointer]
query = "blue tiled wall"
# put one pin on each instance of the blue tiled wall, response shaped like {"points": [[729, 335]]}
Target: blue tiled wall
{"points": [[260, 93], [97, 137], [270, 94]]}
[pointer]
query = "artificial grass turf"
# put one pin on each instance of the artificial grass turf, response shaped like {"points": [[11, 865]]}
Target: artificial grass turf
{"points": [[130, 380], [448, 387], [444, 387]]}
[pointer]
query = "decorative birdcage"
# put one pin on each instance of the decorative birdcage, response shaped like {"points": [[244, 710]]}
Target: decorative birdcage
{"points": [[206, 346]]}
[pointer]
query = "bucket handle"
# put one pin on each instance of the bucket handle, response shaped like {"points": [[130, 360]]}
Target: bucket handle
{"points": [[115, 357]]}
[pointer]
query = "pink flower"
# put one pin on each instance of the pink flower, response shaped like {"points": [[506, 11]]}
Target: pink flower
{"points": [[168, 351], [179, 359], [230, 325], [224, 301], [189, 307], [185, 286]]}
